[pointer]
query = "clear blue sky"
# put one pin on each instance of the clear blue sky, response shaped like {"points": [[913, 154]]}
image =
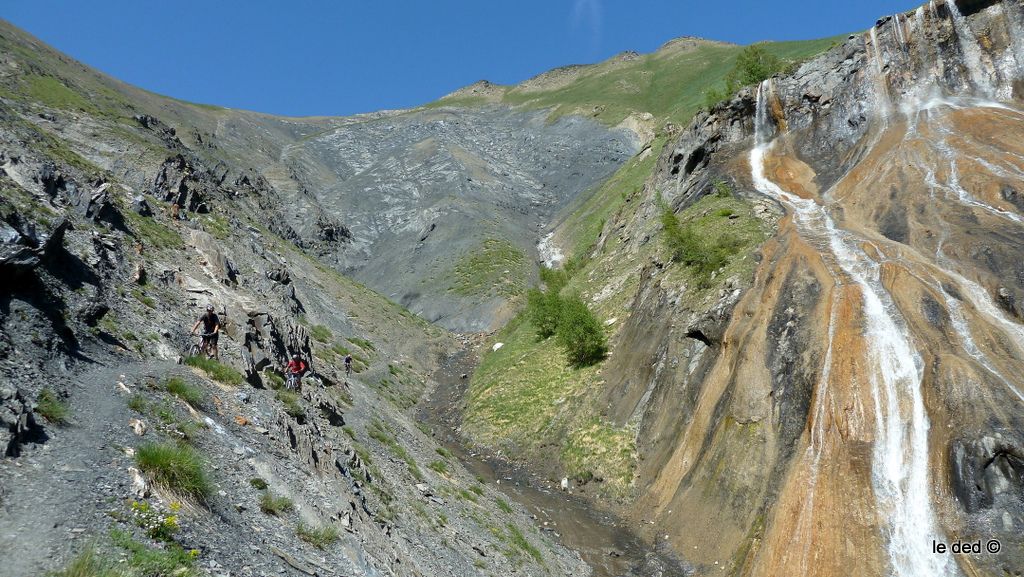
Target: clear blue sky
{"points": [[304, 57]]}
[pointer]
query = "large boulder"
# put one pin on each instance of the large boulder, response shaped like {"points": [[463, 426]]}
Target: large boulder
{"points": [[17, 422], [215, 261]]}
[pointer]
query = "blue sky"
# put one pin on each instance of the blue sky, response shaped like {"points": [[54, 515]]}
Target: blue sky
{"points": [[339, 57]]}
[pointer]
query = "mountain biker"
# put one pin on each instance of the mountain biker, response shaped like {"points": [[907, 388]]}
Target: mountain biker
{"points": [[296, 367], [211, 332], [348, 364]]}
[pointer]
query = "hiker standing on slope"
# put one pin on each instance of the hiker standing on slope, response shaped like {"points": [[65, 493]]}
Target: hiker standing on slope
{"points": [[211, 332]]}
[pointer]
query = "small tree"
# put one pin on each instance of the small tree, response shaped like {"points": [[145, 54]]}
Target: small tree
{"points": [[580, 333], [542, 308]]}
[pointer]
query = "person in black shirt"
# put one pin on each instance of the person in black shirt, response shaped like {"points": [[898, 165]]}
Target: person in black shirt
{"points": [[211, 330]]}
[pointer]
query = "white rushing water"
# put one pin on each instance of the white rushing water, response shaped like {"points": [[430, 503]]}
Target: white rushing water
{"points": [[549, 253], [971, 52], [900, 455]]}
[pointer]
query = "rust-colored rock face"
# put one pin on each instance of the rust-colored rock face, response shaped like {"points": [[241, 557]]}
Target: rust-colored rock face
{"points": [[865, 401]]}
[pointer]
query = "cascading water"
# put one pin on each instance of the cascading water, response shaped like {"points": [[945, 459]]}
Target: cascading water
{"points": [[900, 455], [882, 99], [971, 50]]}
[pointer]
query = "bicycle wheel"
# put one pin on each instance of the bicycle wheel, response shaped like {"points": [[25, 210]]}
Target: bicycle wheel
{"points": [[193, 350]]}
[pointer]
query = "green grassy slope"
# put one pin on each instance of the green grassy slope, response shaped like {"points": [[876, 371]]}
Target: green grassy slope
{"points": [[669, 83]]}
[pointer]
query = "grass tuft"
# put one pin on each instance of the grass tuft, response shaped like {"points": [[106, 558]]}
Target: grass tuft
{"points": [[216, 370], [291, 404], [272, 505], [89, 564], [179, 468], [191, 394], [49, 405], [319, 537]]}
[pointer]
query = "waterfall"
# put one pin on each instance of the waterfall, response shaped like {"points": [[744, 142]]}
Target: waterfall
{"points": [[898, 27], [971, 51], [900, 453], [881, 83]]}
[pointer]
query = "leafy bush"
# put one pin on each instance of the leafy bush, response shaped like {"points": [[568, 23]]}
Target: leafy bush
{"points": [[319, 537], [580, 333], [216, 370], [49, 405], [177, 467], [753, 65], [184, 391], [272, 505], [542, 308]]}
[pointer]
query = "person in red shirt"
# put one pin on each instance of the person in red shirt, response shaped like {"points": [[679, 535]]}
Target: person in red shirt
{"points": [[296, 368]]}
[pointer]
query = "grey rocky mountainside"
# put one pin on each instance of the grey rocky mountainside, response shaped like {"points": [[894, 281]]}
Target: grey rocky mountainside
{"points": [[99, 285]]}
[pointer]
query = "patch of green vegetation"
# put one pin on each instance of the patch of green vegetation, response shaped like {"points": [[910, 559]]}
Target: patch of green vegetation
{"points": [[600, 451], [495, 267], [319, 537], [503, 505], [276, 380], [138, 403], [51, 407], [177, 467], [169, 561], [582, 227], [364, 344], [520, 542], [258, 483], [152, 233], [321, 333], [273, 505], [716, 231], [291, 403], [753, 64], [467, 495], [439, 467], [669, 83], [50, 91], [380, 433], [477, 489], [178, 387], [216, 370], [568, 318], [216, 225], [443, 452], [89, 563]]}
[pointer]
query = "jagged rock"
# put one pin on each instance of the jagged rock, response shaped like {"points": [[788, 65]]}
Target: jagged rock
{"points": [[140, 206], [279, 275], [263, 345], [20, 253], [217, 263]]}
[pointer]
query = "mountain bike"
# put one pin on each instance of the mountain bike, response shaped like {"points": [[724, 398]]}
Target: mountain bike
{"points": [[197, 348]]}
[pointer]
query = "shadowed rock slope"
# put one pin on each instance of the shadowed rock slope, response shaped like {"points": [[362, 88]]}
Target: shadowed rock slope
{"points": [[833, 401]]}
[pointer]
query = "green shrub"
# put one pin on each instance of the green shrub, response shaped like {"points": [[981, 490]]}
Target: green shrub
{"points": [[49, 405], [276, 380], [439, 467], [272, 505], [319, 537], [443, 452], [321, 333], [179, 468], [543, 310], [467, 495], [258, 483], [189, 393], [753, 65], [291, 404], [216, 370], [580, 334]]}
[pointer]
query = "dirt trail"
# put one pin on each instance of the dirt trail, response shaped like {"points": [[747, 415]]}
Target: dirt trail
{"points": [[57, 489]]}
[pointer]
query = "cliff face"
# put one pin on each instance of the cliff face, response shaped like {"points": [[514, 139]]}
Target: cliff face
{"points": [[861, 398]]}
